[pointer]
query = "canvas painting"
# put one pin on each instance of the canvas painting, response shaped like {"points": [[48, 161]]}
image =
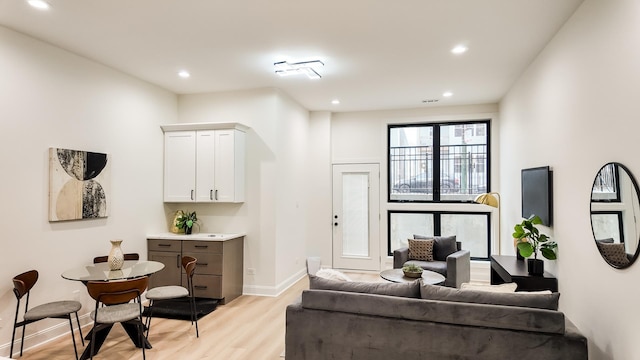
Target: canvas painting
{"points": [[79, 184]]}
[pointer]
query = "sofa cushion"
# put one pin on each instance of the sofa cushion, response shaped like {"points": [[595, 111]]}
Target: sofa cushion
{"points": [[614, 253], [421, 249], [501, 288], [539, 301], [410, 289], [443, 246], [455, 313], [332, 274]]}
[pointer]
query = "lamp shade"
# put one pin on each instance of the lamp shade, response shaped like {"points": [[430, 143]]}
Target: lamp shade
{"points": [[487, 199]]}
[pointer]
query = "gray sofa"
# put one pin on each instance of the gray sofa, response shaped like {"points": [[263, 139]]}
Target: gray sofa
{"points": [[379, 321], [454, 266]]}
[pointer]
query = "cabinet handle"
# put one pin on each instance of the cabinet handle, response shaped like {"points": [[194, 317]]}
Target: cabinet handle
{"points": [[210, 194], [202, 264], [178, 260], [216, 194], [191, 194], [200, 287], [202, 246], [164, 245]]}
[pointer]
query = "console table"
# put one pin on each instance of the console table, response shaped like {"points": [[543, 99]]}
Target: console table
{"points": [[506, 269]]}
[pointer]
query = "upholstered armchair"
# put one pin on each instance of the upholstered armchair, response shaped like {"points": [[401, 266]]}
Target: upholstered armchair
{"points": [[448, 259]]}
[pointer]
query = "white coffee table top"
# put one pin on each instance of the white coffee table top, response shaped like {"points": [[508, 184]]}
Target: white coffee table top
{"points": [[396, 275]]}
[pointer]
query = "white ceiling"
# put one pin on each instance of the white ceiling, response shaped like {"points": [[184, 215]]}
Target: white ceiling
{"points": [[378, 54]]}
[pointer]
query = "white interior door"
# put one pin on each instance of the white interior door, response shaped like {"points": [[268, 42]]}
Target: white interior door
{"points": [[356, 216]]}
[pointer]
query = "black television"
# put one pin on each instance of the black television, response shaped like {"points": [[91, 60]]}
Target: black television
{"points": [[537, 194]]}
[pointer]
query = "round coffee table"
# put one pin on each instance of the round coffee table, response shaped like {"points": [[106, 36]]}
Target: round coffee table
{"points": [[396, 275]]}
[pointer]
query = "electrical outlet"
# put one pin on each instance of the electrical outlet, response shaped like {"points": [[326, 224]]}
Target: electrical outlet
{"points": [[251, 271]]}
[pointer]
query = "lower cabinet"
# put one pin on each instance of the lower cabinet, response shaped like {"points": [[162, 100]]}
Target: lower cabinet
{"points": [[218, 273]]}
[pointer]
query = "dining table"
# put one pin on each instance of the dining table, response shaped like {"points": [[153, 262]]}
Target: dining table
{"points": [[101, 272]]}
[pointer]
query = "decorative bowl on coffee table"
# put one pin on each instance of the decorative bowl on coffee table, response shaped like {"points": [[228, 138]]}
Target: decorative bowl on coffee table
{"points": [[412, 274]]}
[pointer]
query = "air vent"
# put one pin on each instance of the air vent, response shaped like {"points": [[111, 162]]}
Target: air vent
{"points": [[427, 101]]}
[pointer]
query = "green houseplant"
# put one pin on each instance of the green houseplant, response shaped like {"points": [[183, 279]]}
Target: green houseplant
{"points": [[412, 270], [186, 221], [531, 242]]}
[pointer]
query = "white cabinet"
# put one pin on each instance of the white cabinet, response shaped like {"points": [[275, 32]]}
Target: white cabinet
{"points": [[204, 163]]}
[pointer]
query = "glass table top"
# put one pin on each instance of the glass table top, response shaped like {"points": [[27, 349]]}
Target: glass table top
{"points": [[101, 272]]}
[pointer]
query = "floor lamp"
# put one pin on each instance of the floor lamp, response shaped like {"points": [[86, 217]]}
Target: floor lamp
{"points": [[492, 199]]}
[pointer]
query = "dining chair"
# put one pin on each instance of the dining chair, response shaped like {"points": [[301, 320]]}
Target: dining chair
{"points": [[116, 295], [22, 285], [129, 256], [175, 292]]}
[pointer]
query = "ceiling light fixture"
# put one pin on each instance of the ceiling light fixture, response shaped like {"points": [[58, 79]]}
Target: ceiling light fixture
{"points": [[184, 74], [447, 94], [309, 68], [39, 4], [335, 102], [459, 49]]}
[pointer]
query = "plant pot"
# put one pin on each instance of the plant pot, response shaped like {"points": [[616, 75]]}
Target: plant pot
{"points": [[412, 274], [188, 230], [535, 266]]}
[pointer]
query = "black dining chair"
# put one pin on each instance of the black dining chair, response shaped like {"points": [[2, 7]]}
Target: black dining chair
{"points": [[175, 292], [116, 296], [22, 285]]}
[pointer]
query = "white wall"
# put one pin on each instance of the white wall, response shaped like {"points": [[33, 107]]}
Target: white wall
{"points": [[52, 98], [273, 215], [576, 109]]}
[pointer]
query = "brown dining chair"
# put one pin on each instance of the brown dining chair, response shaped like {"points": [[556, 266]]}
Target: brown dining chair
{"points": [[22, 285], [175, 292], [116, 296], [129, 256]]}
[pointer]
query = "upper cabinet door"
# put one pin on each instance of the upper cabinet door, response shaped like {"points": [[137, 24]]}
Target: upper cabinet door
{"points": [[229, 166], [205, 166], [179, 166]]}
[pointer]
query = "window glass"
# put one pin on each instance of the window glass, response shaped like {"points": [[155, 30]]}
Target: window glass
{"points": [[463, 161], [402, 226], [471, 229], [455, 155]]}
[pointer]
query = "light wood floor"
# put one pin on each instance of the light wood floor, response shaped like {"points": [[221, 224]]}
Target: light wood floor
{"points": [[248, 328]]}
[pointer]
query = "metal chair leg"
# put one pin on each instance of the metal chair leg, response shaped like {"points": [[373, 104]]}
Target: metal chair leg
{"points": [[73, 337], [79, 328]]}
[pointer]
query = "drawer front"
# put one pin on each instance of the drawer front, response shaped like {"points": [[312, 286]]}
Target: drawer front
{"points": [[163, 245], [206, 286], [213, 247], [209, 264]]}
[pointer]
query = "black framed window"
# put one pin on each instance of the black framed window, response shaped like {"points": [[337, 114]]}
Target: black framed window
{"points": [[472, 229], [607, 225], [438, 162], [606, 186]]}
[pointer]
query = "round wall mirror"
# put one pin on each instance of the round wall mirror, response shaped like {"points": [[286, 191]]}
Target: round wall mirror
{"points": [[615, 212]]}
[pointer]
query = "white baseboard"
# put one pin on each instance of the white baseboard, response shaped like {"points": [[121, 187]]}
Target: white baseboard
{"points": [[34, 340], [273, 291]]}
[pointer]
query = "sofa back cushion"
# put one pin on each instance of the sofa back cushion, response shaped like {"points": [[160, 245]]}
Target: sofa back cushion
{"points": [[539, 301], [443, 246], [445, 312], [410, 290]]}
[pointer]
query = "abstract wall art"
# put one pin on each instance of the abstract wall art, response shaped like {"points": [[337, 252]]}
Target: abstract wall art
{"points": [[79, 185]]}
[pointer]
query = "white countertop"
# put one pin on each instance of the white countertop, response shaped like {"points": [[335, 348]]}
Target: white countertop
{"points": [[198, 236]]}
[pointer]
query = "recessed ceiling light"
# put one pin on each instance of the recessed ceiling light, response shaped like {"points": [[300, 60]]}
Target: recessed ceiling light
{"points": [[184, 74], [39, 4], [335, 101], [459, 49], [447, 94]]}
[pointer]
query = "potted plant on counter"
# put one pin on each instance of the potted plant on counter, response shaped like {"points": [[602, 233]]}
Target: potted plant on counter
{"points": [[531, 241], [186, 221]]}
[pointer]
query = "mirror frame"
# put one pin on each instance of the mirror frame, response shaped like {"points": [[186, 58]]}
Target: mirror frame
{"points": [[591, 212]]}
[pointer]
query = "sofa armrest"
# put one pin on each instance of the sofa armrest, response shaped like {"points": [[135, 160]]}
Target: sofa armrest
{"points": [[458, 268], [400, 257]]}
